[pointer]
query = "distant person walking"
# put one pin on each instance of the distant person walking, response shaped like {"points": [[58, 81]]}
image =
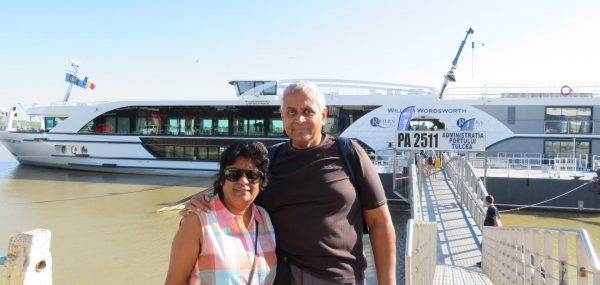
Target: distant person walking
{"points": [[492, 216]]}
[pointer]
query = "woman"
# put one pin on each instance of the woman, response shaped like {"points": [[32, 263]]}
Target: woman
{"points": [[235, 243]]}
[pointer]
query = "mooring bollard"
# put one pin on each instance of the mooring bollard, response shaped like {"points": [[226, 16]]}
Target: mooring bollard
{"points": [[28, 261]]}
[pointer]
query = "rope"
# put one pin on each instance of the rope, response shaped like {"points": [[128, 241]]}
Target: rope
{"points": [[553, 198], [178, 205]]}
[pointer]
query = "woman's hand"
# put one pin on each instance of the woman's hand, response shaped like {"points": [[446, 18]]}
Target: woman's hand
{"points": [[199, 202]]}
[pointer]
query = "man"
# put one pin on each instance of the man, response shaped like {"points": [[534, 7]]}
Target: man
{"points": [[316, 211], [492, 216]]}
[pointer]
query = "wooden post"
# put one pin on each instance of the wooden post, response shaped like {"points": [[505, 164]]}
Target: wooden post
{"points": [[28, 261]]}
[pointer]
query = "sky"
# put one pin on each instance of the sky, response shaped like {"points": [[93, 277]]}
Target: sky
{"points": [[191, 49]]}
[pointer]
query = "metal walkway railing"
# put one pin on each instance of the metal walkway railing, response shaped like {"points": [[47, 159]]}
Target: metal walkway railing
{"points": [[523, 255]]}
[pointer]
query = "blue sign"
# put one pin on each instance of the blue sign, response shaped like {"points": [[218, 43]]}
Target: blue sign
{"points": [[405, 117]]}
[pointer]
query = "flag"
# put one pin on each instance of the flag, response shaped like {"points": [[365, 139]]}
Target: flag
{"points": [[404, 119], [85, 83], [73, 79], [89, 84]]}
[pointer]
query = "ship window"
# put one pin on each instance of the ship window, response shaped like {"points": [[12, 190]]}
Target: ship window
{"points": [[108, 126], [169, 151], [332, 126], [173, 126], [511, 116], [182, 130], [568, 120], [556, 127], [206, 127], [213, 153], [564, 149], [140, 125], [51, 122], [244, 86], [179, 151], [222, 127], [240, 127], [123, 125], [190, 128], [276, 127], [189, 152], [256, 127]]}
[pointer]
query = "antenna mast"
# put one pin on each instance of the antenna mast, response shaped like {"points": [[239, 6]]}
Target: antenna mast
{"points": [[75, 65]]}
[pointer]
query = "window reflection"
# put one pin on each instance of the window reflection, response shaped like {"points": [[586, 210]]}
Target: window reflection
{"points": [[568, 120], [214, 123], [564, 149]]}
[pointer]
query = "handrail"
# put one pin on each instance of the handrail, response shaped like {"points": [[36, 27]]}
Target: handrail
{"points": [[470, 189], [416, 193], [528, 255], [420, 256], [547, 167]]}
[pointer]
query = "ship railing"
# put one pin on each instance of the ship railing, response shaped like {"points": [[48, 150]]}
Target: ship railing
{"points": [[333, 87], [534, 165], [491, 91], [531, 255], [387, 160], [420, 257]]}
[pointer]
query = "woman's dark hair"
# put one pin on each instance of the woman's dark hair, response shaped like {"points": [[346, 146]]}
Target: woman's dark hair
{"points": [[253, 150]]}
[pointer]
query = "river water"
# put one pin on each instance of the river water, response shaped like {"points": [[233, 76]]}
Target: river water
{"points": [[105, 228]]}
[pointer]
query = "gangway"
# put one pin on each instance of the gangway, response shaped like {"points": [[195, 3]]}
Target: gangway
{"points": [[447, 209]]}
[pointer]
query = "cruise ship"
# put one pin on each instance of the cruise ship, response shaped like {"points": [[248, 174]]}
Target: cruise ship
{"points": [[186, 137]]}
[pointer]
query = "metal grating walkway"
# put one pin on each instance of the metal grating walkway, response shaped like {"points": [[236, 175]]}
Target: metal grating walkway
{"points": [[458, 251]]}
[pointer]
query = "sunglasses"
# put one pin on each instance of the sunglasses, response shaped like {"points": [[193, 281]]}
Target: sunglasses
{"points": [[234, 174]]}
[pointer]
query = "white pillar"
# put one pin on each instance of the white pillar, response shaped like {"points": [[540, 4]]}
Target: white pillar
{"points": [[28, 261]]}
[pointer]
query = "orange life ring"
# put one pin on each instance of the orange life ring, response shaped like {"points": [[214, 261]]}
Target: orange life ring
{"points": [[566, 90]]}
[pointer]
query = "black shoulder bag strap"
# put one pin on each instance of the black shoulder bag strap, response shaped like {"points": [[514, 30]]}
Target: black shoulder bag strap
{"points": [[273, 150], [350, 161]]}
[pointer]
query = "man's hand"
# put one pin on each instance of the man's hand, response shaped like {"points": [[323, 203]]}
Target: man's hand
{"points": [[199, 202]]}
